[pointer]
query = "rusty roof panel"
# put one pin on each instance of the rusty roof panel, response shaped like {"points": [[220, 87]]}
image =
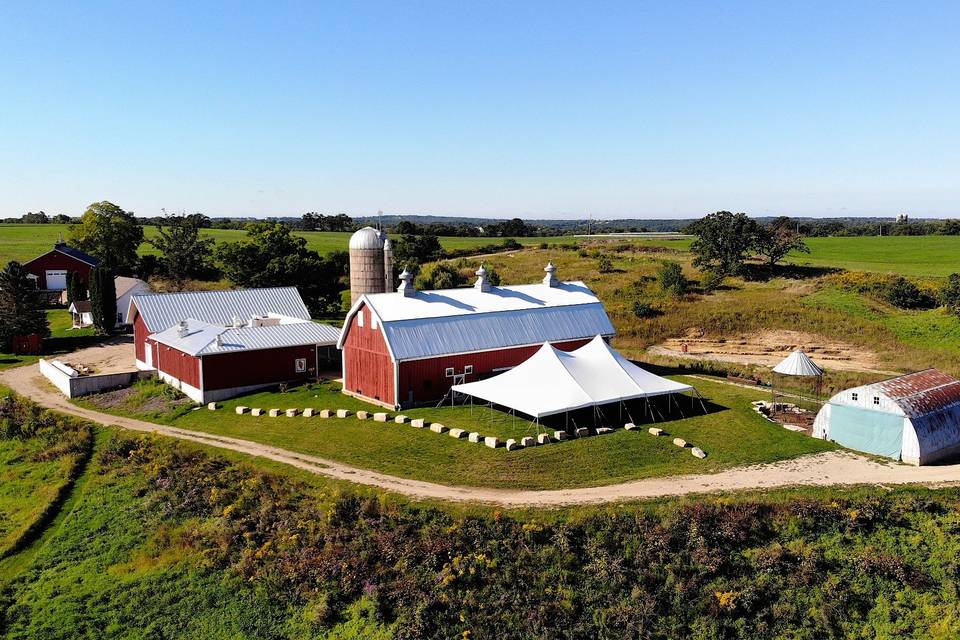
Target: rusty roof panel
{"points": [[922, 392]]}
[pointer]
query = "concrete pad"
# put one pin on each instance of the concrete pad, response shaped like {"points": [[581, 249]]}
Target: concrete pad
{"points": [[526, 442], [256, 412], [362, 415], [560, 435], [308, 413], [418, 423], [492, 442], [630, 426], [343, 413], [543, 438], [698, 453], [680, 442], [457, 433], [379, 417], [604, 430], [241, 410], [292, 413], [474, 437], [436, 427], [583, 432], [212, 406], [325, 413], [401, 419], [655, 431], [273, 413]]}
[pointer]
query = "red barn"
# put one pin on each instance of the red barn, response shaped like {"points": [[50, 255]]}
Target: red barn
{"points": [[410, 347], [214, 345], [50, 270]]}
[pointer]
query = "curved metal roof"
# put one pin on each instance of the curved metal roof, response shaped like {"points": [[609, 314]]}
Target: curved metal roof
{"points": [[366, 238]]}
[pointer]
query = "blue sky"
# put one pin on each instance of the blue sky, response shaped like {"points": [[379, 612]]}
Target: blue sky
{"points": [[553, 109]]}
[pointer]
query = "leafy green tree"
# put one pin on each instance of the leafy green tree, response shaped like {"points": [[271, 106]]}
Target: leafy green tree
{"points": [[775, 242], [103, 299], [184, 252], [672, 281], [271, 256], [61, 219], [723, 241], [410, 250], [109, 233], [440, 275], [34, 218], [21, 308]]}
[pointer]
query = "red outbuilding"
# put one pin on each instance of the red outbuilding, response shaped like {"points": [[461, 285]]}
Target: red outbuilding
{"points": [[409, 347], [214, 345], [51, 269]]}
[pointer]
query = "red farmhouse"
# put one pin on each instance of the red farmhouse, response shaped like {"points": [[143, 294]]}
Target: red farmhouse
{"points": [[50, 270], [218, 344], [410, 347]]}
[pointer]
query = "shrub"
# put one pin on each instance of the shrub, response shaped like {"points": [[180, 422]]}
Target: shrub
{"points": [[904, 294], [643, 309], [671, 279], [950, 294], [711, 280], [605, 264], [440, 275]]}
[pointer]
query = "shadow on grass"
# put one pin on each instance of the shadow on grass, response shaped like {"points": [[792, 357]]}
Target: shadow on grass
{"points": [[753, 272]]}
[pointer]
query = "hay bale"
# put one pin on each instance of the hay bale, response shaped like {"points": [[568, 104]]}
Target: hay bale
{"points": [[292, 413], [401, 419], [630, 426], [241, 410], [604, 430], [698, 453], [436, 427], [343, 413], [256, 412], [543, 438], [325, 413], [362, 415], [212, 406], [526, 442], [560, 435], [680, 442], [308, 413], [655, 431], [474, 437], [582, 432], [379, 417], [457, 433], [273, 413], [513, 445], [492, 441], [418, 423]]}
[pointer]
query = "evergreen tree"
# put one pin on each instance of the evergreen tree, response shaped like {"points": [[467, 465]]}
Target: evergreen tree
{"points": [[103, 299], [21, 308], [76, 287]]}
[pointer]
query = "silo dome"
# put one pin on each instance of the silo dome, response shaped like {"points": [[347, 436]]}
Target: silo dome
{"points": [[366, 238]]}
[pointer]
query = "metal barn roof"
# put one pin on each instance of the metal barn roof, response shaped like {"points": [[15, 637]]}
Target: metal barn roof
{"points": [[200, 338], [69, 251], [163, 310], [798, 364], [922, 392]]}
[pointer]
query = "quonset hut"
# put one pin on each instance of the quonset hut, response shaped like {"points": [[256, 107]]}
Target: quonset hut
{"points": [[409, 347], [914, 418]]}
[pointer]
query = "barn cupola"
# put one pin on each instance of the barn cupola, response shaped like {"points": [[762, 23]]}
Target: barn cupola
{"points": [[182, 329], [406, 288], [482, 283], [551, 278]]}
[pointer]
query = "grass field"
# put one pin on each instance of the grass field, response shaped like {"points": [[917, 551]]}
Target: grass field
{"points": [[23, 242], [732, 435]]}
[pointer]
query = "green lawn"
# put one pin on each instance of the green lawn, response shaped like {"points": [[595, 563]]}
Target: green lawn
{"points": [[23, 242], [63, 338], [905, 255], [733, 435]]}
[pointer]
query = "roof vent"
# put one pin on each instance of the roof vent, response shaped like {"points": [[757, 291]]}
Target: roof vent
{"points": [[182, 329], [219, 340], [237, 322], [551, 278], [406, 287], [482, 284]]}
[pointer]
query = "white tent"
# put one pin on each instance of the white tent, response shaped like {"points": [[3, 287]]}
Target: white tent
{"points": [[798, 364], [552, 381]]}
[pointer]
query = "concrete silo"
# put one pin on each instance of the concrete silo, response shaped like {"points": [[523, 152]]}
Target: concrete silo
{"points": [[370, 262]]}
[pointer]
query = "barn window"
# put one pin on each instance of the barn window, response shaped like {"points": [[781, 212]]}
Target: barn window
{"points": [[449, 372], [467, 370], [876, 399], [853, 396], [300, 364], [373, 322], [360, 318]]}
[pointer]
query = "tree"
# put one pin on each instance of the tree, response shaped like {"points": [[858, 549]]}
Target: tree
{"points": [[76, 287], [109, 233], [103, 299], [410, 250], [774, 243], [185, 254], [671, 278], [440, 275], [21, 308], [723, 241], [34, 218], [272, 257], [61, 219]]}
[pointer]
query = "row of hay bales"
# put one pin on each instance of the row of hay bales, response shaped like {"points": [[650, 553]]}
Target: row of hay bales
{"points": [[697, 452]]}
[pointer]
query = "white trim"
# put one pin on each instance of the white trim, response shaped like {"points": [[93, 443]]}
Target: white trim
{"points": [[63, 253]]}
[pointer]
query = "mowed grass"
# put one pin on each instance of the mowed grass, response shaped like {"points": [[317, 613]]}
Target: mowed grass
{"points": [[732, 434], [23, 242], [63, 338], [905, 255]]}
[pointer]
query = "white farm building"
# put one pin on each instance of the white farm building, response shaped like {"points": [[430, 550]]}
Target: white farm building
{"points": [[914, 418]]}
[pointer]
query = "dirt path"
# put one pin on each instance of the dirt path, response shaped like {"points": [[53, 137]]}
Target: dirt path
{"points": [[832, 468]]}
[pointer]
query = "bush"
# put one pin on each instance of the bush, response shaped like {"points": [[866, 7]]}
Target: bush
{"points": [[950, 294], [904, 294], [643, 309], [440, 275], [605, 264], [671, 279], [711, 280]]}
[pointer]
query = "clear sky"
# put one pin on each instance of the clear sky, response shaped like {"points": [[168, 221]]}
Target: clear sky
{"points": [[552, 109]]}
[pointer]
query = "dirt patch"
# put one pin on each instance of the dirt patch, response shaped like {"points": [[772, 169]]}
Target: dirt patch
{"points": [[768, 348], [131, 398], [116, 355]]}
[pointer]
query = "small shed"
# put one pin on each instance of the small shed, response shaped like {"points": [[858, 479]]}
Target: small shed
{"points": [[82, 313], [914, 418]]}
